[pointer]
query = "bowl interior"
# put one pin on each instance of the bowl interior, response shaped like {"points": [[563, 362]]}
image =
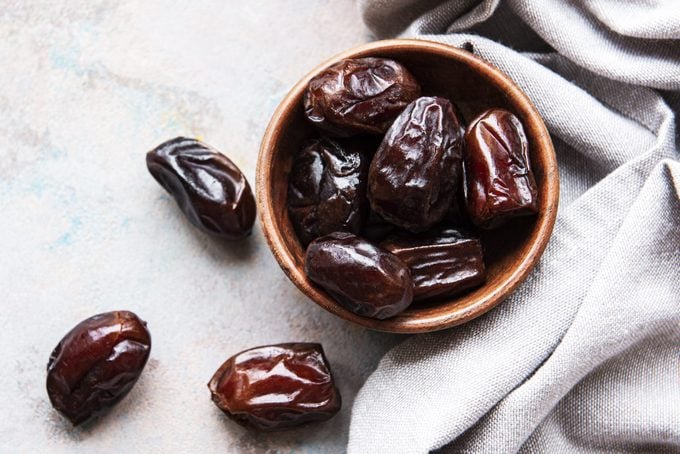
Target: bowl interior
{"points": [[472, 85]]}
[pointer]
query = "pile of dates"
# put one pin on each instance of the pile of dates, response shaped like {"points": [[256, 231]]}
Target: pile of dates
{"points": [[390, 198], [388, 201]]}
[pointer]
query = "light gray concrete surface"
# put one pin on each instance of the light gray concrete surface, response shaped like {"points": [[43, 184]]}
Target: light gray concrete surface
{"points": [[86, 88]]}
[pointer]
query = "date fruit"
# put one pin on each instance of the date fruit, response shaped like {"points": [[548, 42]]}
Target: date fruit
{"points": [[415, 172], [327, 190], [362, 95], [211, 191], [499, 181], [442, 263], [362, 277], [96, 364], [276, 387]]}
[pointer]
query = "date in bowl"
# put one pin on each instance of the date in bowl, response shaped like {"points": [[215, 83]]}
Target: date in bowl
{"points": [[474, 85]]}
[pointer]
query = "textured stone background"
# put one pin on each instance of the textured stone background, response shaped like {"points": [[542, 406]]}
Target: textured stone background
{"points": [[86, 88]]}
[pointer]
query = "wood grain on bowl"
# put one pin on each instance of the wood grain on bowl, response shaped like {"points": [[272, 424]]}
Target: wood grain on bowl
{"points": [[474, 85]]}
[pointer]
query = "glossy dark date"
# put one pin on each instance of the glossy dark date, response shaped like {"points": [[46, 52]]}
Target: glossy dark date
{"points": [[362, 277], [276, 387], [96, 364], [361, 95], [499, 181], [211, 191], [442, 263], [415, 172], [327, 190]]}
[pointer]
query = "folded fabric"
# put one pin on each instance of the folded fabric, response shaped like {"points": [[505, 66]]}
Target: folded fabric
{"points": [[585, 355]]}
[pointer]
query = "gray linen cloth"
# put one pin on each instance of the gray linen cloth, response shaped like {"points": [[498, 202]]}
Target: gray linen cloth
{"points": [[585, 356]]}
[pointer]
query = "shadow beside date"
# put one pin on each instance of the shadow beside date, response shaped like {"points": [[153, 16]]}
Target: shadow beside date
{"points": [[96, 364], [210, 189], [276, 387]]}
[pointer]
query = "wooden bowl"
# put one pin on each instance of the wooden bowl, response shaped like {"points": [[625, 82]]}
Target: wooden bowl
{"points": [[473, 85]]}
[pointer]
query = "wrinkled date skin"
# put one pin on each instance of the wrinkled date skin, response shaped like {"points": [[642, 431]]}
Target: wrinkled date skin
{"points": [[442, 263], [362, 277], [414, 174], [499, 181], [361, 95], [209, 189], [276, 387], [96, 364], [327, 190]]}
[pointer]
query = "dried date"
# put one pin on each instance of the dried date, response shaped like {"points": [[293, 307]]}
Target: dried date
{"points": [[362, 95], [499, 181], [362, 277], [442, 263], [210, 189], [414, 174], [96, 364], [276, 387], [327, 190]]}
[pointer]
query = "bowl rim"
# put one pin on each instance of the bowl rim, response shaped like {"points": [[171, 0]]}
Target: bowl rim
{"points": [[422, 323]]}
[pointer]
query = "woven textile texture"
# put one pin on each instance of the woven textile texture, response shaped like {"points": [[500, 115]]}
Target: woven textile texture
{"points": [[585, 356]]}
